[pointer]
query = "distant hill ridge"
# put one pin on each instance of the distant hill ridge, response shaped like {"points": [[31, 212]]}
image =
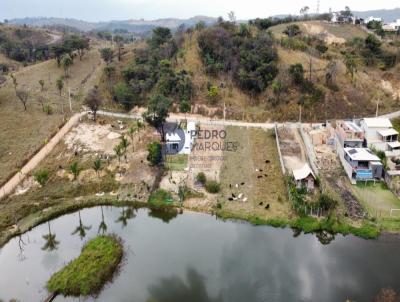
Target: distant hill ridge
{"points": [[130, 25], [141, 25]]}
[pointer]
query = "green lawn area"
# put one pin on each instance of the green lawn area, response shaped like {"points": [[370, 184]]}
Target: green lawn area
{"points": [[87, 274], [177, 162], [377, 199]]}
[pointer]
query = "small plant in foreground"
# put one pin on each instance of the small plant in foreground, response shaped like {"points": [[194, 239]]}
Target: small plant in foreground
{"points": [[42, 176], [212, 186], [201, 178]]}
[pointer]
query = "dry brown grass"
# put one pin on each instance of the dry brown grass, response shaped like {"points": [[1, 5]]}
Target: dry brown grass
{"points": [[267, 186], [23, 133]]}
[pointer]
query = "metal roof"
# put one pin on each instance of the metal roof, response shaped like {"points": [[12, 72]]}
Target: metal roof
{"points": [[303, 173], [378, 122], [388, 132], [394, 145]]}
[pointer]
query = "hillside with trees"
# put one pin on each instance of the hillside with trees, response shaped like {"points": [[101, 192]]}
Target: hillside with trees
{"points": [[266, 69]]}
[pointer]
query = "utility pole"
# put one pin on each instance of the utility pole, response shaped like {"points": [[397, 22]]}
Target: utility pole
{"points": [[377, 107], [317, 11], [300, 115], [224, 112], [69, 98]]}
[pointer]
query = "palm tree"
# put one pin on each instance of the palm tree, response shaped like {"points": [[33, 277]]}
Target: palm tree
{"points": [[81, 228], [131, 132], [118, 152], [66, 63], [51, 242], [125, 216], [103, 225], [139, 126], [97, 166], [124, 145], [74, 169]]}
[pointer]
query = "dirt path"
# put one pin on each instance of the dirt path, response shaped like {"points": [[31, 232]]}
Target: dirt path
{"points": [[38, 157]]}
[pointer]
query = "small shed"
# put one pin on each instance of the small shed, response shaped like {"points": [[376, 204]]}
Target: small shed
{"points": [[304, 177]]}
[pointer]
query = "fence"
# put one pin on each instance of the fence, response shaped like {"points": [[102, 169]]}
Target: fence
{"points": [[309, 150], [279, 150]]}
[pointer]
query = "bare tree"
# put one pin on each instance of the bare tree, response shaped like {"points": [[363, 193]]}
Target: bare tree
{"points": [[23, 96]]}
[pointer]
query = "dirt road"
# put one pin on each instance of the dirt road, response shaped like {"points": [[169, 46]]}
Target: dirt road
{"points": [[35, 160]]}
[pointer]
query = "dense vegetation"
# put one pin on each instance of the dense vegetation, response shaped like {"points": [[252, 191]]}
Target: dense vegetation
{"points": [[28, 45], [87, 274], [249, 58], [152, 72]]}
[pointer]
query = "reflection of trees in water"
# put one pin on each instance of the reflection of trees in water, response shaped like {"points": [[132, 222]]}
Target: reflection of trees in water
{"points": [[21, 244], [325, 237], [103, 226], [81, 228], [125, 215], [163, 214], [51, 242], [387, 295], [174, 289]]}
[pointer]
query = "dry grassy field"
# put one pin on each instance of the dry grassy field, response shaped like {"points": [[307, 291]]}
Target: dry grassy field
{"points": [[252, 175], [24, 132]]}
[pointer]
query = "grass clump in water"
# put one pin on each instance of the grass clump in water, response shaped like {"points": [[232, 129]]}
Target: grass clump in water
{"points": [[87, 274]]}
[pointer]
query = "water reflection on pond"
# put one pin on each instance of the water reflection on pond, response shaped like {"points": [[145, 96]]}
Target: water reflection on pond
{"points": [[194, 257]]}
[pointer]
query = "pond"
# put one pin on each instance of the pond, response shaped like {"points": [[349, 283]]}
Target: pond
{"points": [[195, 257]]}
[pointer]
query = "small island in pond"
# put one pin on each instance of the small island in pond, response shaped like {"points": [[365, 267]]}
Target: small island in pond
{"points": [[87, 274]]}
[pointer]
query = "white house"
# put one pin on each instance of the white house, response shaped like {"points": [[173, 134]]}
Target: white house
{"points": [[364, 164], [379, 133], [178, 140], [395, 25], [372, 18]]}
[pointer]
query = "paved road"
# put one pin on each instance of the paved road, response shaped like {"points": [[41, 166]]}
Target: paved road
{"points": [[36, 159]]}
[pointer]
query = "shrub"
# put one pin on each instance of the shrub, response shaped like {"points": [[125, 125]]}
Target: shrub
{"points": [[48, 109], [74, 168], [160, 197], [213, 94], [212, 186], [292, 30], [41, 177], [296, 72], [201, 178], [155, 153], [327, 203]]}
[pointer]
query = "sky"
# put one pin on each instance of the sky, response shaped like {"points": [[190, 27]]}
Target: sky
{"points": [[105, 10]]}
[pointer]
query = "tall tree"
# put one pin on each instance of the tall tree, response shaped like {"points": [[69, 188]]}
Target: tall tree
{"points": [[93, 101], [81, 228], [51, 242], [119, 41], [157, 112], [66, 63]]}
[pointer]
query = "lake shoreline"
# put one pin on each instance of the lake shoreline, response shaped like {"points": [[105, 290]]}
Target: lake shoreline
{"points": [[304, 224]]}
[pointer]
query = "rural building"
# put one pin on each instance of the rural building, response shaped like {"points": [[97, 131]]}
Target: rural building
{"points": [[395, 25], [304, 177], [178, 140], [364, 164], [349, 134], [372, 18], [379, 132]]}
